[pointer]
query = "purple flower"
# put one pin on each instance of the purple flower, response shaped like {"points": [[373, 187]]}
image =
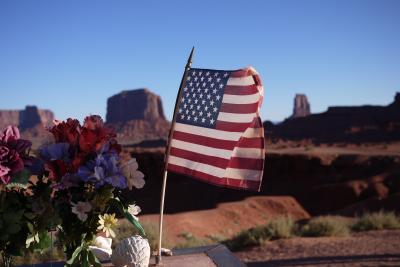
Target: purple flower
{"points": [[58, 151], [103, 170], [13, 155]]}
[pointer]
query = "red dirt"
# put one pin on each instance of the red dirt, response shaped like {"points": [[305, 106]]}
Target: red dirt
{"points": [[228, 218]]}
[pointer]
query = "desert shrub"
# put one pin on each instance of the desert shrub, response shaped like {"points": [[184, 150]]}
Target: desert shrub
{"points": [[325, 226], [377, 221], [281, 227], [251, 237], [191, 241]]}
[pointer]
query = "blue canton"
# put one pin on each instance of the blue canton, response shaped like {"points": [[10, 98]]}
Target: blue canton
{"points": [[201, 98]]}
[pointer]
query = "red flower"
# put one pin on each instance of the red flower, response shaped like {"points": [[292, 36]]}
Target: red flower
{"points": [[93, 122], [56, 169], [66, 131], [94, 135]]}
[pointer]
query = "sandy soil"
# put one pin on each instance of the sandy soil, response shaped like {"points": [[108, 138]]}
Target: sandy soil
{"points": [[374, 248]]}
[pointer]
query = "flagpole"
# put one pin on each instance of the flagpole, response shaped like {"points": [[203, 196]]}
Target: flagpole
{"points": [[168, 149]]}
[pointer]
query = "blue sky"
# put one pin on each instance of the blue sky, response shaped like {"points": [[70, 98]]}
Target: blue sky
{"points": [[70, 56]]}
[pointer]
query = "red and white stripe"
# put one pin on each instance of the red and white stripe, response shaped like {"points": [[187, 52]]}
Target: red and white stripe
{"points": [[232, 154]]}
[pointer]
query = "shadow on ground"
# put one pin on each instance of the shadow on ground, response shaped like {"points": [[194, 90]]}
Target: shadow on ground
{"points": [[357, 260]]}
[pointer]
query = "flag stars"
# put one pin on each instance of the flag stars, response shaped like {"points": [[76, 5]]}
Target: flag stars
{"points": [[202, 97]]}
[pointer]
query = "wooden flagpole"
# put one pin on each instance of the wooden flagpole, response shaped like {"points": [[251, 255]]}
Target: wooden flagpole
{"points": [[168, 149]]}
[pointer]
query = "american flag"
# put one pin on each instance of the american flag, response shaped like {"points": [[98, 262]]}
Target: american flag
{"points": [[218, 135]]}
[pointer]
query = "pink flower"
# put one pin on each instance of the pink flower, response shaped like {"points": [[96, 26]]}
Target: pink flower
{"points": [[12, 153]]}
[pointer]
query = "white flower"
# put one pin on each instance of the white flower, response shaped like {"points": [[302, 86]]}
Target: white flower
{"points": [[107, 222], [133, 176], [80, 209], [134, 210]]}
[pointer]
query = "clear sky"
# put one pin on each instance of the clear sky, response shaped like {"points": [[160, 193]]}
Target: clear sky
{"points": [[71, 55]]}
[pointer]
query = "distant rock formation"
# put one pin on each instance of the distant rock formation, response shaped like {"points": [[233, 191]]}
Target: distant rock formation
{"points": [[137, 115], [27, 118], [139, 104], [344, 124], [301, 107]]}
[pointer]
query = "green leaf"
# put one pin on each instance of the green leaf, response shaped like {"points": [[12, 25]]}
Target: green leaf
{"points": [[135, 223], [129, 216], [74, 255], [93, 259], [20, 179]]}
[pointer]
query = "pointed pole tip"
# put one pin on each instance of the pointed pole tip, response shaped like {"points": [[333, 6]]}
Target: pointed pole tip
{"points": [[189, 62]]}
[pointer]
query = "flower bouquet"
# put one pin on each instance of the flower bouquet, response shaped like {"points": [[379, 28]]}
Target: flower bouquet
{"points": [[84, 169]]}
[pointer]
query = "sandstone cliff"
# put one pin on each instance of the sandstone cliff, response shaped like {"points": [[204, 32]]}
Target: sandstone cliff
{"points": [[137, 115], [301, 107], [27, 118], [357, 124]]}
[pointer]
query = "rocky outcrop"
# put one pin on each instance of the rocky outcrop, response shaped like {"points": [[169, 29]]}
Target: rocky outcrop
{"points": [[344, 124], [139, 104], [137, 115], [301, 107], [27, 118]]}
